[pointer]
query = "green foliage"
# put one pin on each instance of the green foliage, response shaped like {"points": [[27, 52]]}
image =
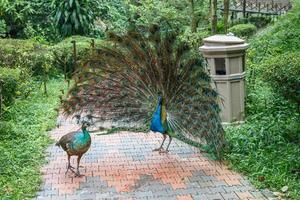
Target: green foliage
{"points": [[19, 14], [266, 148], [178, 14], [113, 16], [15, 13], [243, 30], [15, 83], [63, 56], [148, 12], [23, 139], [3, 28], [194, 40], [9, 82], [74, 17], [283, 74], [14, 53], [283, 37], [259, 21]]}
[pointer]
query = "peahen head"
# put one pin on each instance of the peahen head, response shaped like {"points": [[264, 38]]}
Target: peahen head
{"points": [[85, 124]]}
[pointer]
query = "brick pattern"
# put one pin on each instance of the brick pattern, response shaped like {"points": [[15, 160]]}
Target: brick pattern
{"points": [[123, 166]]}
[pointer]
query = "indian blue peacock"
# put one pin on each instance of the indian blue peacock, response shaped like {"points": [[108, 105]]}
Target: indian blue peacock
{"points": [[76, 144], [149, 77]]}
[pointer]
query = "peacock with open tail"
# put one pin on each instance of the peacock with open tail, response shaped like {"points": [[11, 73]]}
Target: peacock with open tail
{"points": [[148, 78]]}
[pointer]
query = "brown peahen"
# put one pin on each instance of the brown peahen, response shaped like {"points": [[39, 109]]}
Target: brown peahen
{"points": [[148, 77], [76, 144]]}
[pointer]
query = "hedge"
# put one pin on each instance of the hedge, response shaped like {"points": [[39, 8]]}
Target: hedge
{"points": [[282, 72], [243, 30]]}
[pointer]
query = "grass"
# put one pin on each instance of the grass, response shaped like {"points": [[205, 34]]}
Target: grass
{"points": [[266, 147], [23, 140]]}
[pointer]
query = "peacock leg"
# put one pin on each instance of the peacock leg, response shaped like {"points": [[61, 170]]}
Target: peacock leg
{"points": [[161, 146], [77, 174], [167, 149], [69, 165]]}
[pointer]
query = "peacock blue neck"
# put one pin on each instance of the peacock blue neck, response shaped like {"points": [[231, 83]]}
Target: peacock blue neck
{"points": [[158, 120]]}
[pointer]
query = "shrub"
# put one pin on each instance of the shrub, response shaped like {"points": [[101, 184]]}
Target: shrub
{"points": [[3, 28], [14, 53], [282, 72], [27, 55], [243, 30], [10, 79], [63, 52], [259, 21], [15, 82]]}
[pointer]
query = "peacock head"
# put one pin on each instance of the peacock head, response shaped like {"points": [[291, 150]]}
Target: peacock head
{"points": [[160, 100]]}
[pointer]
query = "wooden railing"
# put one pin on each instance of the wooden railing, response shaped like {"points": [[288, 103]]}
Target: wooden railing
{"points": [[267, 7]]}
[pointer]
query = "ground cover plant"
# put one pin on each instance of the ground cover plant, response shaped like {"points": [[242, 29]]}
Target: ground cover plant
{"points": [[23, 140]]}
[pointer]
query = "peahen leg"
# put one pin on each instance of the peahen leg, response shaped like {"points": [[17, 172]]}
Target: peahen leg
{"points": [[69, 165], [77, 174], [161, 146], [167, 149]]}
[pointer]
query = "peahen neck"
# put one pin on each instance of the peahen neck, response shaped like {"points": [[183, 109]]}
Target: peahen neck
{"points": [[85, 131]]}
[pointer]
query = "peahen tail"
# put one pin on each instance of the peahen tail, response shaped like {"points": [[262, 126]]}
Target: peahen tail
{"points": [[57, 144], [120, 83]]}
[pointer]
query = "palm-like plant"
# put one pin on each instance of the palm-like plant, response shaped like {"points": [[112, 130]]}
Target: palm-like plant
{"points": [[74, 16]]}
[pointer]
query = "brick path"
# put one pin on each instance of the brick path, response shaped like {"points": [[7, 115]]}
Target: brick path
{"points": [[123, 166]]}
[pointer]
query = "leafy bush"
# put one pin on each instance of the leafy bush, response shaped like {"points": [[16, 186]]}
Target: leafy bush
{"points": [[283, 73], [243, 30], [259, 21], [283, 37], [15, 83], [63, 52], [266, 147], [14, 53], [3, 28], [9, 80]]}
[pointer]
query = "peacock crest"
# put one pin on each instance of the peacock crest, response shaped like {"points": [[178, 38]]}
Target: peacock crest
{"points": [[122, 80]]}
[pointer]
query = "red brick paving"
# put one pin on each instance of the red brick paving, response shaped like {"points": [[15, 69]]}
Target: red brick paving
{"points": [[124, 166]]}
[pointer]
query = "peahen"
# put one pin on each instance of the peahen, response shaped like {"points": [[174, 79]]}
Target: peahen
{"points": [[76, 144], [149, 77]]}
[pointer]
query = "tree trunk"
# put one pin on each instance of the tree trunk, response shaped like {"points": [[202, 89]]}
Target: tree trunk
{"points": [[244, 9], [194, 21], [214, 19], [226, 13], [45, 82], [1, 98]]}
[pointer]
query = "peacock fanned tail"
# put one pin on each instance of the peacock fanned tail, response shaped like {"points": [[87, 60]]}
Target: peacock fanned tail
{"points": [[121, 80]]}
